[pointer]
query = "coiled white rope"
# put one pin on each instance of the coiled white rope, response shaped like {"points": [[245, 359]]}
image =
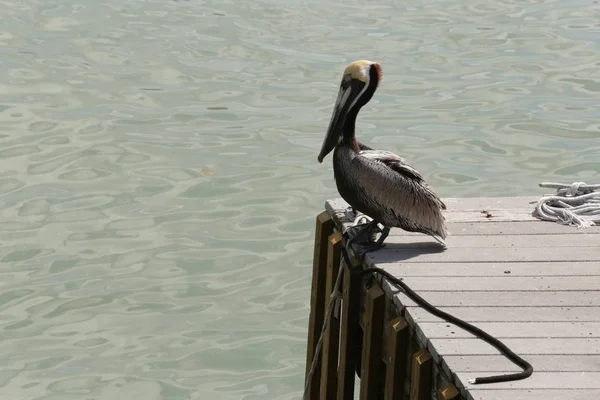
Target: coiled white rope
{"points": [[576, 204]]}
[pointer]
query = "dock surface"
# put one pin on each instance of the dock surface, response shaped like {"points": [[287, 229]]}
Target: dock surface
{"points": [[535, 285]]}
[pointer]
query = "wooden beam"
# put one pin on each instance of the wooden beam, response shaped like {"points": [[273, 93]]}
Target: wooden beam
{"points": [[324, 228], [331, 341], [397, 358], [420, 386], [372, 343], [349, 343]]}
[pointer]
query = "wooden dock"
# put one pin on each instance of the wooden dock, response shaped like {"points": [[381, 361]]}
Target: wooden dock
{"points": [[535, 285]]}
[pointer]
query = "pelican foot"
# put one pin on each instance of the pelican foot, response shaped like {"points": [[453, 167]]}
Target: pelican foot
{"points": [[364, 239], [362, 234], [384, 234]]}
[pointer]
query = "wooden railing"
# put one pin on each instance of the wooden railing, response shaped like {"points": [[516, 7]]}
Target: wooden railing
{"points": [[369, 338]]}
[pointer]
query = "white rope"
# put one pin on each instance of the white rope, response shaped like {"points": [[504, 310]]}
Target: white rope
{"points": [[357, 218], [335, 295], [577, 204]]}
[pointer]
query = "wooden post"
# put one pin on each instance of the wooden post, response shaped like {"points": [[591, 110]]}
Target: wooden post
{"points": [[349, 343], [449, 392], [331, 341], [324, 228], [420, 386], [372, 343], [398, 357]]}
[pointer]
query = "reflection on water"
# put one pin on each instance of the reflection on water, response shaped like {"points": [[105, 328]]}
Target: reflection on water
{"points": [[159, 183]]}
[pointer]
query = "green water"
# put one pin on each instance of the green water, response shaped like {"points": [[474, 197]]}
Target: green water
{"points": [[158, 174]]}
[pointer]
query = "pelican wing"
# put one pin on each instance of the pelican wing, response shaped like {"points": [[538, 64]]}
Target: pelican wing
{"points": [[392, 161], [394, 184]]}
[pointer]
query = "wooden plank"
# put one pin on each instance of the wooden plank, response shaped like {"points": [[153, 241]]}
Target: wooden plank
{"points": [[372, 343], [349, 343], [564, 240], [448, 269], [523, 347], [546, 380], [420, 386], [449, 392], [480, 203], [507, 228], [542, 363], [502, 330], [430, 251], [512, 314], [476, 222], [475, 204], [506, 299], [324, 228], [535, 394], [503, 283], [397, 353], [490, 215], [331, 339]]}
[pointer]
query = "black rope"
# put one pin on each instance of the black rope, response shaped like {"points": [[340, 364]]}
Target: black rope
{"points": [[486, 337]]}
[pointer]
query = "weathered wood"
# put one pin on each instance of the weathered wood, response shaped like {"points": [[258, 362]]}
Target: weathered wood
{"points": [[349, 343], [534, 394], [543, 363], [372, 343], [554, 346], [332, 333], [513, 314], [547, 380], [489, 215], [563, 241], [479, 224], [507, 299], [397, 353], [474, 204], [450, 269], [533, 284], [324, 228], [497, 228], [503, 283], [481, 203], [432, 252], [449, 392], [420, 385], [433, 330]]}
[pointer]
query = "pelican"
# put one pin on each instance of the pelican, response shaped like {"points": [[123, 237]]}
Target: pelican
{"points": [[377, 183]]}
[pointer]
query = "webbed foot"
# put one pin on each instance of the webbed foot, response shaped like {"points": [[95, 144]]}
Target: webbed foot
{"points": [[362, 234], [384, 234], [363, 237]]}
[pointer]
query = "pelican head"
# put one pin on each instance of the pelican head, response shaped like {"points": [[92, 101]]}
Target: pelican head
{"points": [[359, 82]]}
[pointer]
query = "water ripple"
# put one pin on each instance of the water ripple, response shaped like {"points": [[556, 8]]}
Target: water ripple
{"points": [[159, 181]]}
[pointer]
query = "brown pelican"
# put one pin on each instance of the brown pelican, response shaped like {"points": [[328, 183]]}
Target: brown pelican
{"points": [[378, 183]]}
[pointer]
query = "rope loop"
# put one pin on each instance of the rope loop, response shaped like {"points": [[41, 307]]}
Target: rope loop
{"points": [[577, 204]]}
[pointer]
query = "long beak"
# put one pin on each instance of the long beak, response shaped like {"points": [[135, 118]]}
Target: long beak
{"points": [[334, 131]]}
